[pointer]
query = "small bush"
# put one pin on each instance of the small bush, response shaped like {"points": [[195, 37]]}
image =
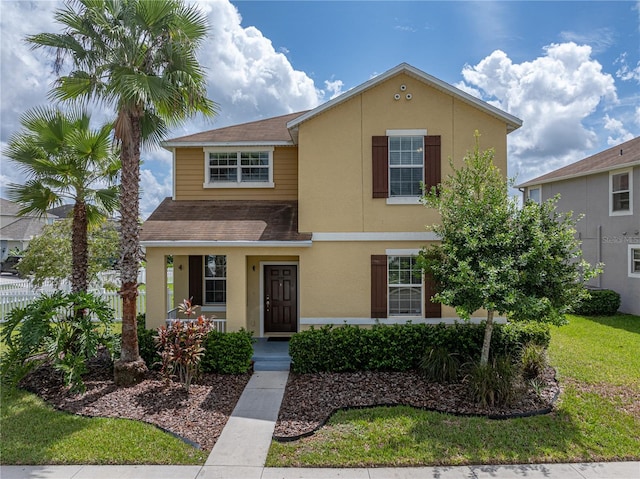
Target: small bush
{"points": [[227, 353], [601, 302], [440, 365], [493, 384], [66, 329], [181, 349], [533, 360]]}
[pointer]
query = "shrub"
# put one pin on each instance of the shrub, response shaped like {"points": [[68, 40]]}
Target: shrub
{"points": [[533, 360], [181, 349], [228, 353], [600, 302], [66, 329], [440, 365], [495, 383], [402, 347]]}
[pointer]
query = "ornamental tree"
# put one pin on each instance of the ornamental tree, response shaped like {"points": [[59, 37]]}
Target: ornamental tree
{"points": [[523, 263]]}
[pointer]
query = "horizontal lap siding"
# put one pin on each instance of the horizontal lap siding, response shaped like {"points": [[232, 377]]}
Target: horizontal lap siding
{"points": [[190, 178]]}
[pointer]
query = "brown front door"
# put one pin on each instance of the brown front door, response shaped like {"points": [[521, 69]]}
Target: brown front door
{"points": [[280, 298]]}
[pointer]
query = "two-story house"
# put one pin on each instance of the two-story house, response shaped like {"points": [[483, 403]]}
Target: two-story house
{"points": [[602, 188], [314, 217]]}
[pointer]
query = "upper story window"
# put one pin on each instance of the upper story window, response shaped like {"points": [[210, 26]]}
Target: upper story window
{"points": [[249, 168], [534, 193], [401, 161], [620, 192], [406, 165]]}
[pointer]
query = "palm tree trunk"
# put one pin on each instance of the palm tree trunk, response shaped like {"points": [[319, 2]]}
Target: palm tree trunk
{"points": [[484, 357], [130, 369], [79, 248]]}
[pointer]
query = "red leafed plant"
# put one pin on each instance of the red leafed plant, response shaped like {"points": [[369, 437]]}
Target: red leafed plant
{"points": [[181, 349]]}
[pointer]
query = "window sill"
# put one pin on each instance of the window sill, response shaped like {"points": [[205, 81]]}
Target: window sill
{"points": [[213, 308], [247, 184], [404, 200], [621, 213]]}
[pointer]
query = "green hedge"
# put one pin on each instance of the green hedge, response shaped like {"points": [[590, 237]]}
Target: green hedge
{"points": [[401, 347], [602, 302], [227, 353]]}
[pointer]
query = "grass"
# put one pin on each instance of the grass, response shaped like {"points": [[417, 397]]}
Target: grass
{"points": [[64, 438], [597, 360]]}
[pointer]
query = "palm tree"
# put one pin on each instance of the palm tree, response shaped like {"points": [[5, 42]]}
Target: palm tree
{"points": [[63, 159], [139, 57]]}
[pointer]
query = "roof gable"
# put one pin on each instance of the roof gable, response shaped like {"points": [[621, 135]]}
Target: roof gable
{"points": [[624, 155], [512, 122]]}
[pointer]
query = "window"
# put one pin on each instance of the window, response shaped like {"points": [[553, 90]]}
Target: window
{"points": [[634, 260], [239, 169], [401, 160], [406, 165], [535, 194], [405, 286], [620, 189], [215, 279]]}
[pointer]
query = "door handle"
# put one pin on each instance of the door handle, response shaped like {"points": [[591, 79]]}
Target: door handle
{"points": [[268, 303]]}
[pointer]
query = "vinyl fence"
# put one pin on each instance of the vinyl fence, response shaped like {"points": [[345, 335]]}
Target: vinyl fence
{"points": [[19, 294]]}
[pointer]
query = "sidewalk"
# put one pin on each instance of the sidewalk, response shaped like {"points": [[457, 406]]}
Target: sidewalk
{"points": [[609, 470]]}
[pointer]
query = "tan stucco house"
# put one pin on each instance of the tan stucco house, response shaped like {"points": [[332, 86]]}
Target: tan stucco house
{"points": [[314, 217], [603, 190]]}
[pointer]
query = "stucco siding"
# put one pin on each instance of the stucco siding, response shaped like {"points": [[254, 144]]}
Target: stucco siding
{"points": [[335, 154]]}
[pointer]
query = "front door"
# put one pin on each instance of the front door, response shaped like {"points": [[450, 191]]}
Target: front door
{"points": [[280, 298]]}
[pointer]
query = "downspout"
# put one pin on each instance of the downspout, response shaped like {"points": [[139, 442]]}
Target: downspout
{"points": [[599, 253]]}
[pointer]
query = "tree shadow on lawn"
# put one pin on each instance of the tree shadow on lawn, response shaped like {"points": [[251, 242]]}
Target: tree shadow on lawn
{"points": [[626, 322]]}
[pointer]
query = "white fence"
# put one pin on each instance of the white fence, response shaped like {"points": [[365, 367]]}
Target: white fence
{"points": [[20, 299], [19, 294]]}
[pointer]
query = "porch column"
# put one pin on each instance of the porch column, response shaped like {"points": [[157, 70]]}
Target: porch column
{"points": [[156, 288], [236, 290]]}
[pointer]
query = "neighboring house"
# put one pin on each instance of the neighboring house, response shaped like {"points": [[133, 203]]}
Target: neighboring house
{"points": [[16, 231], [314, 217], [605, 188]]}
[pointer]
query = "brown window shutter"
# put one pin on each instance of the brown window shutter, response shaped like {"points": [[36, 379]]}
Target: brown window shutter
{"points": [[380, 154], [378, 286], [432, 161], [431, 310], [195, 279]]}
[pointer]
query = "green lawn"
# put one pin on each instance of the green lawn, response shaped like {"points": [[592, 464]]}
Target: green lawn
{"points": [[597, 360], [34, 433]]}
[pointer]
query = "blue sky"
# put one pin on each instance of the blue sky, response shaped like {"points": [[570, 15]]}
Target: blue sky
{"points": [[570, 70]]}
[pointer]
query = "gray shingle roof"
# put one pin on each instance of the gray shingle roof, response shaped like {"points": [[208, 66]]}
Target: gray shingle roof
{"points": [[620, 156], [218, 220]]}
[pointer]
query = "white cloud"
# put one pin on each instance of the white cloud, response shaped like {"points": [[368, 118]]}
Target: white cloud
{"points": [[617, 132], [334, 87], [553, 95], [626, 72], [153, 191]]}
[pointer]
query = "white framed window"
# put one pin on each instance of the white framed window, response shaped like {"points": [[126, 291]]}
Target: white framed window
{"points": [[406, 165], [231, 168], [534, 193], [215, 279], [405, 284], [621, 192], [634, 260]]}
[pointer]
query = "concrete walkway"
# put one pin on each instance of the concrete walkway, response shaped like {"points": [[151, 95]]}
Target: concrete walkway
{"points": [[608, 470]]}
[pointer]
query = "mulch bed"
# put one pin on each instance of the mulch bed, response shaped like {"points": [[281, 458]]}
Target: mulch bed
{"points": [[309, 399]]}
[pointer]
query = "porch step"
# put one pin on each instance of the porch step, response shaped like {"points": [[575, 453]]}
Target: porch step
{"points": [[272, 364]]}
